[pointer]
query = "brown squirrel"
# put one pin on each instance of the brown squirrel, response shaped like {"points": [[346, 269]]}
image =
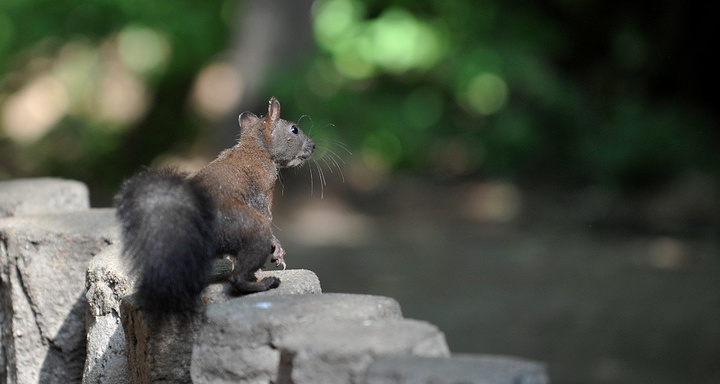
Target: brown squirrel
{"points": [[174, 226]]}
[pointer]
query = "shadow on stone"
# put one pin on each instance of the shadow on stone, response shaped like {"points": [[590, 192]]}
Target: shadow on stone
{"points": [[65, 358], [159, 348], [111, 366]]}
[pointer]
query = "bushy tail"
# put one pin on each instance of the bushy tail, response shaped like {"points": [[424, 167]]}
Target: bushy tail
{"points": [[167, 232]]}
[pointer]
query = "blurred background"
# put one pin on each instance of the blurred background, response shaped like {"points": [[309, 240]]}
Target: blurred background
{"points": [[537, 178]]}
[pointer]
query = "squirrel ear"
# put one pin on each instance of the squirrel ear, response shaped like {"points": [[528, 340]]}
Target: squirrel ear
{"points": [[274, 109], [246, 118]]}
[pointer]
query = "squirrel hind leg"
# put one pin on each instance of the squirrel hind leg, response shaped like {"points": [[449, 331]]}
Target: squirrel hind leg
{"points": [[243, 284]]}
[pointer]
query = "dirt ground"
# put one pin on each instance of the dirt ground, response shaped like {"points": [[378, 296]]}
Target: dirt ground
{"points": [[604, 287]]}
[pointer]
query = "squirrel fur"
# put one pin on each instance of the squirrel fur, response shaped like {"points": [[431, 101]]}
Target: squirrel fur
{"points": [[174, 225]]}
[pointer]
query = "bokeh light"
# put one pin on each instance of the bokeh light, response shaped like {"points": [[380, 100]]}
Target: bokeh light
{"points": [[395, 42], [31, 111], [217, 89], [105, 83], [487, 93], [143, 50]]}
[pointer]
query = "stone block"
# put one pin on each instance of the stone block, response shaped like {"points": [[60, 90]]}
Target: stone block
{"points": [[109, 279], [292, 282], [107, 282], [43, 261], [161, 347], [340, 351], [158, 347], [34, 196], [236, 342], [458, 369]]}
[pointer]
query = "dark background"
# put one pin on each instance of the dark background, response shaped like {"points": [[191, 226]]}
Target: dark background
{"points": [[537, 178]]}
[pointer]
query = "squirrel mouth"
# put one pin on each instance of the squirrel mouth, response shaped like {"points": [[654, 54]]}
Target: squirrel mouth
{"points": [[304, 154], [299, 159]]}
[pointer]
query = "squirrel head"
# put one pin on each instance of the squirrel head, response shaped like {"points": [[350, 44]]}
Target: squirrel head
{"points": [[285, 141]]}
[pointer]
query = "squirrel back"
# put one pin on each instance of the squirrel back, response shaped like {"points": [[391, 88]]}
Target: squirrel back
{"points": [[173, 226]]}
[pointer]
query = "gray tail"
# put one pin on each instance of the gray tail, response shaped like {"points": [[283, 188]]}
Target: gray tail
{"points": [[167, 232]]}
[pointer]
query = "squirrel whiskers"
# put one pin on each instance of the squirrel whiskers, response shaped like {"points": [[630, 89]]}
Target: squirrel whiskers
{"points": [[330, 159]]}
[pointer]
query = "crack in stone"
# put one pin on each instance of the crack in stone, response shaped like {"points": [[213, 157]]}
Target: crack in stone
{"points": [[6, 353], [32, 305]]}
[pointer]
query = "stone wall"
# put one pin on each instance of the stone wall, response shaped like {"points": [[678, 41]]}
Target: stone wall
{"points": [[45, 248], [68, 316]]}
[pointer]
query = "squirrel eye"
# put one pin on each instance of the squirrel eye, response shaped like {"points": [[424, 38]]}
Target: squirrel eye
{"points": [[294, 129]]}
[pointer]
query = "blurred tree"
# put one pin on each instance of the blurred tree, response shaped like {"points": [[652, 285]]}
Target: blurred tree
{"points": [[268, 36], [549, 91], [544, 91], [91, 90]]}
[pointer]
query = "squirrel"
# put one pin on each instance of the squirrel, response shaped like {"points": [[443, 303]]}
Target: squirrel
{"points": [[174, 225]]}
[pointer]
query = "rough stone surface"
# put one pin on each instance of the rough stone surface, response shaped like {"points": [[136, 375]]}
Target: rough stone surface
{"points": [[107, 282], [460, 369], [28, 196], [51, 326], [43, 261], [161, 351], [240, 333], [333, 351], [158, 348], [33, 196], [109, 279], [292, 282]]}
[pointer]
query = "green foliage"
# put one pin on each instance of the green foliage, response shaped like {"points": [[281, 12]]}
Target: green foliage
{"points": [[473, 88], [91, 90], [549, 91]]}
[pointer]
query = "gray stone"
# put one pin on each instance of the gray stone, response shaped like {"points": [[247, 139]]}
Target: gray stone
{"points": [[109, 279], [162, 347], [460, 369], [292, 282], [43, 261], [158, 347], [33, 196], [235, 344], [107, 282], [340, 351]]}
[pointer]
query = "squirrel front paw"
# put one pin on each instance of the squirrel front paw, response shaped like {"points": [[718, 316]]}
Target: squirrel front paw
{"points": [[278, 254]]}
